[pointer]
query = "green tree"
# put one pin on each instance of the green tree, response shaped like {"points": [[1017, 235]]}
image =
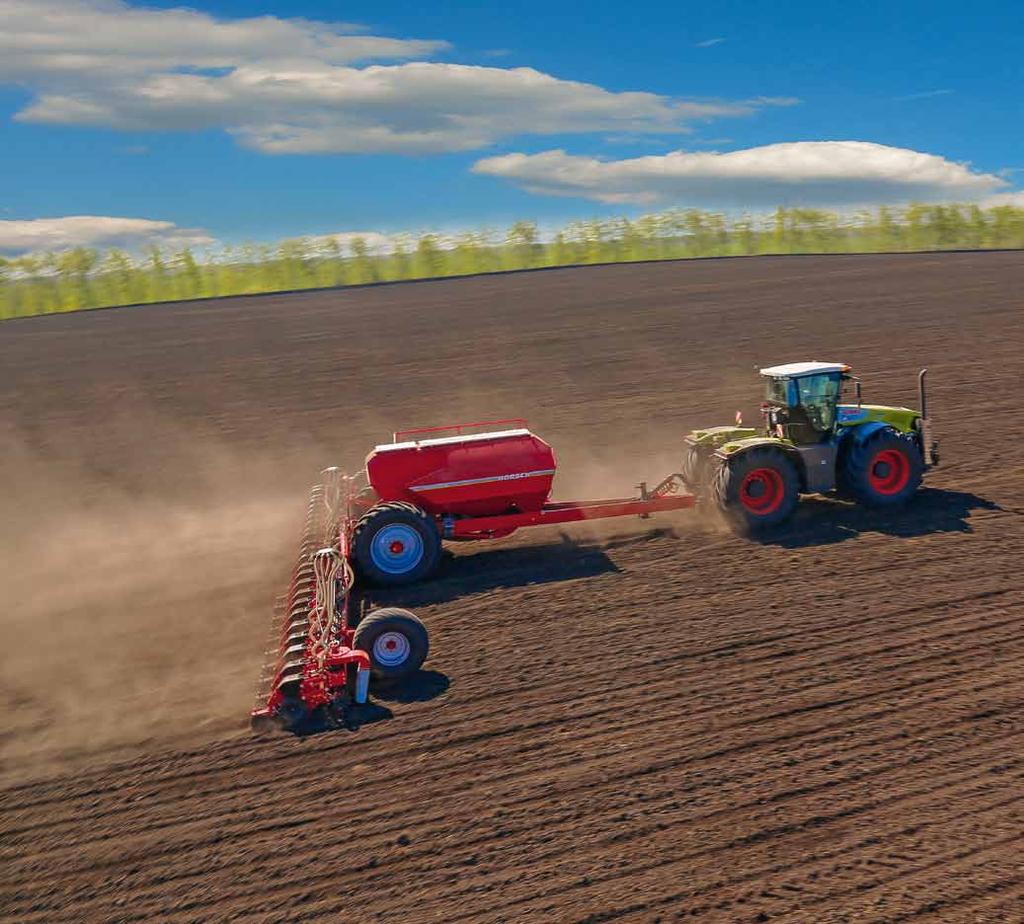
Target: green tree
{"points": [[364, 268], [429, 259], [118, 279], [521, 246], [73, 268], [82, 278]]}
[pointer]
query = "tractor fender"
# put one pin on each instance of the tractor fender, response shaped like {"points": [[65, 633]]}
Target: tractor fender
{"points": [[729, 449], [861, 432], [736, 447], [849, 437], [815, 465]]}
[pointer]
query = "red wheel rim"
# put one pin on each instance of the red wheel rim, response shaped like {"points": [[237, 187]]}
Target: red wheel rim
{"points": [[762, 491], [889, 472]]}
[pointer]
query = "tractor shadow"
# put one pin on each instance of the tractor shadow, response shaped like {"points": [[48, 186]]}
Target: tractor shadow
{"points": [[482, 570], [824, 521]]}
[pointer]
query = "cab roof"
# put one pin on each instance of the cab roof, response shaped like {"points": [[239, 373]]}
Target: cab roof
{"points": [[795, 370]]}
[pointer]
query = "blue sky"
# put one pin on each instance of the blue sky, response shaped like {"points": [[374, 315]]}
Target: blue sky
{"points": [[161, 113]]}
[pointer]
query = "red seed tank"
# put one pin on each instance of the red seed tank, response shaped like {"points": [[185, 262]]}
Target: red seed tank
{"points": [[479, 474]]}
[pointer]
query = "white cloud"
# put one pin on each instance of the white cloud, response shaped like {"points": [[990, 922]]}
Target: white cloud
{"points": [[1015, 199], [424, 107], [46, 38], [53, 234], [292, 85], [926, 94], [835, 173], [709, 43]]}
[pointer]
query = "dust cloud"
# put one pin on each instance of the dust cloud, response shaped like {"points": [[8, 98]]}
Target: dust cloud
{"points": [[142, 555], [133, 616]]}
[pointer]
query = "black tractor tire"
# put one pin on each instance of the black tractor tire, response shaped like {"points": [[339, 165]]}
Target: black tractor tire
{"points": [[695, 469], [883, 471], [395, 544], [396, 641], [756, 489]]}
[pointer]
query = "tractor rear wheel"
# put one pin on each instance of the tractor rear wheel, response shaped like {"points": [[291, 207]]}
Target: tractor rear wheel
{"points": [[695, 468], [756, 489], [396, 641], [883, 471], [396, 544]]}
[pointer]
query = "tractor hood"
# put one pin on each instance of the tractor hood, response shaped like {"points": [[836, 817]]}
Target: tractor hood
{"points": [[715, 436], [900, 418]]}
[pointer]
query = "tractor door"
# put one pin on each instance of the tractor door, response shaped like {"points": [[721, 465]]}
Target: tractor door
{"points": [[819, 467], [819, 395], [803, 408]]}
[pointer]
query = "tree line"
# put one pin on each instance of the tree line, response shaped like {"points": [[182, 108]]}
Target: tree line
{"points": [[87, 278]]}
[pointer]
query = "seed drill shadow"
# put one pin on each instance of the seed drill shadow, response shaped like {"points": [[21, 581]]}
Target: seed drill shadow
{"points": [[824, 521], [461, 575], [421, 687], [493, 569]]}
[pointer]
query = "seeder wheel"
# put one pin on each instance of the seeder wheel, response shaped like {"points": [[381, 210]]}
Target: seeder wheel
{"points": [[396, 544], [396, 641]]}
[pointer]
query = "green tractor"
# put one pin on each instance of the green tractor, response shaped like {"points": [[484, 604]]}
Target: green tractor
{"points": [[810, 444]]}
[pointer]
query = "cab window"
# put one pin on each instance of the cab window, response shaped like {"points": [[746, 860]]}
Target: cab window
{"points": [[816, 388], [818, 395], [777, 391]]}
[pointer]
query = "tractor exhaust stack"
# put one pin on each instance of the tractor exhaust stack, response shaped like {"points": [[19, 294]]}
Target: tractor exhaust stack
{"points": [[928, 446]]}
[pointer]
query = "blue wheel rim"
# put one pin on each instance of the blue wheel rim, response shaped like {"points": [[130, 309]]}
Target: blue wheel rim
{"points": [[391, 649], [396, 549]]}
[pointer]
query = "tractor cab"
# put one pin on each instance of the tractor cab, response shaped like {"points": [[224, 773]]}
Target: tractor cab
{"points": [[801, 400]]}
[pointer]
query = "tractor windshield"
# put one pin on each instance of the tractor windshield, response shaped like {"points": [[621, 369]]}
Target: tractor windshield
{"points": [[811, 401], [818, 397]]}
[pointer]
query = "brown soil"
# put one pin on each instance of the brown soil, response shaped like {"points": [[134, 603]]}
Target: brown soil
{"points": [[654, 720]]}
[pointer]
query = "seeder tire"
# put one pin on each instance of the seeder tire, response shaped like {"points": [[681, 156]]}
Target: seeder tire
{"points": [[396, 641], [396, 544], [756, 489]]}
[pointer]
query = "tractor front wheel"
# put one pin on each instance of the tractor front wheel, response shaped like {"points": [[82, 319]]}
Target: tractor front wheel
{"points": [[756, 489], [396, 544], [396, 641], [883, 471]]}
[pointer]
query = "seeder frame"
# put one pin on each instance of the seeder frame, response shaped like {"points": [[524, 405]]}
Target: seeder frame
{"points": [[312, 661]]}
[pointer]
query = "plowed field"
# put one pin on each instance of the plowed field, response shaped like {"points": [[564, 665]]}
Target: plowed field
{"points": [[649, 720]]}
